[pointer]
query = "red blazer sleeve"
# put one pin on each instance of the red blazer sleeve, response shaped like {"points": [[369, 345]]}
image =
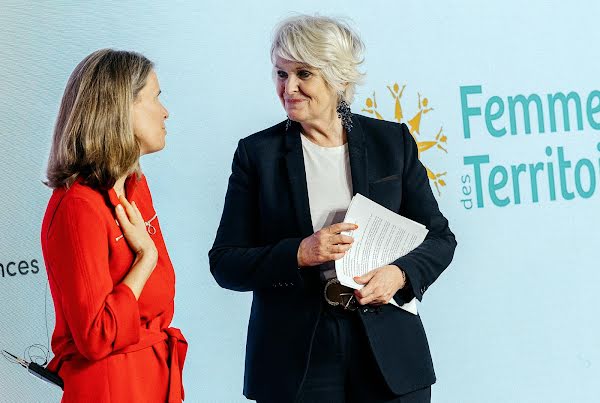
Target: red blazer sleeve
{"points": [[102, 317]]}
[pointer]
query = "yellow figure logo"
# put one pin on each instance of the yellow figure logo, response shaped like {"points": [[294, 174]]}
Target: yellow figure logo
{"points": [[437, 142]]}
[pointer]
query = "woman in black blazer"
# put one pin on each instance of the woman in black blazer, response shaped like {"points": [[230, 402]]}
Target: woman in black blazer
{"points": [[309, 338]]}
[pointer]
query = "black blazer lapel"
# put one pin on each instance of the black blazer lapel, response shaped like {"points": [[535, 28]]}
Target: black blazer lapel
{"points": [[357, 150], [294, 159], [297, 176]]}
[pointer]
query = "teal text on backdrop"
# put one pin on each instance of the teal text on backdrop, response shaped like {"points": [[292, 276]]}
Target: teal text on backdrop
{"points": [[509, 180]]}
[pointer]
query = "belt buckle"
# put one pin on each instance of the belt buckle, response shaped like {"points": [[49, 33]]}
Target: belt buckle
{"points": [[346, 305]]}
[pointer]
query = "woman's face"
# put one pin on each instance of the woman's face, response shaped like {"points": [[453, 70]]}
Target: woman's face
{"points": [[149, 117], [303, 92]]}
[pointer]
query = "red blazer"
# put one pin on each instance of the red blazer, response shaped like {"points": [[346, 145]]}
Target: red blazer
{"points": [[109, 347]]}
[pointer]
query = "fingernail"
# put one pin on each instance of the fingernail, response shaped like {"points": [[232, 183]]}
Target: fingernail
{"points": [[119, 207]]}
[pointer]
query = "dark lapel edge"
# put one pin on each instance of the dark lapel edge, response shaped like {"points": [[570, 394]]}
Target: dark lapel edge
{"points": [[294, 160], [357, 149]]}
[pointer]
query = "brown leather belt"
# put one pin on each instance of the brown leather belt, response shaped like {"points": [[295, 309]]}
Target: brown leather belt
{"points": [[339, 295]]}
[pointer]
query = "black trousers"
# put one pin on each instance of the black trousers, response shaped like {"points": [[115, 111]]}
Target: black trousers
{"points": [[342, 368]]}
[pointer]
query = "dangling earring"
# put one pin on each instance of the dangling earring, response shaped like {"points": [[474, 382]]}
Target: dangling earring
{"points": [[344, 113], [288, 123]]}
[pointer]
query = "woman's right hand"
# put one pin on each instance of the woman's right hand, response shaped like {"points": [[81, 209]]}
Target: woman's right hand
{"points": [[135, 233], [325, 245], [134, 229]]}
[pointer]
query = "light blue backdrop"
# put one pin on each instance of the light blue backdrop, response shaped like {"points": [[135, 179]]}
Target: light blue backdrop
{"points": [[514, 318]]}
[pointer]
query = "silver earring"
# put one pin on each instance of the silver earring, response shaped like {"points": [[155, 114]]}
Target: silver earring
{"points": [[345, 114], [288, 123]]}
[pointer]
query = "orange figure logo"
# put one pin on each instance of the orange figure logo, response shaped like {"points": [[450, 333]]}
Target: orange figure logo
{"points": [[437, 142]]}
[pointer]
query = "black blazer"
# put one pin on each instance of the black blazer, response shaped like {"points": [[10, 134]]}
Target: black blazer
{"points": [[265, 217]]}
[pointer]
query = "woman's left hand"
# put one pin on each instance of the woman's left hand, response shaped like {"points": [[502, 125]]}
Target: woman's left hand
{"points": [[381, 285]]}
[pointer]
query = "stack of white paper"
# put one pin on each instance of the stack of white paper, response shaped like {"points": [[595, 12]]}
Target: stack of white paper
{"points": [[382, 237]]}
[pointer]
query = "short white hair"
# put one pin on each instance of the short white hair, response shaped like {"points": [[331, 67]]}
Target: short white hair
{"points": [[324, 43]]}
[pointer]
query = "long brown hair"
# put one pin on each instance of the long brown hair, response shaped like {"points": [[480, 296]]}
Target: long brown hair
{"points": [[93, 136]]}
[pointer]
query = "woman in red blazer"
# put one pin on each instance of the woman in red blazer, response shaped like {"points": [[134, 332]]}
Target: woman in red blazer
{"points": [[111, 278]]}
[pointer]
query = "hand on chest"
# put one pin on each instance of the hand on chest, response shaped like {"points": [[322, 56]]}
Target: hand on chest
{"points": [[159, 290]]}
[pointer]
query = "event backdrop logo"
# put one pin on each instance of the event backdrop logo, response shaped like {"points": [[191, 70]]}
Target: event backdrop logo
{"points": [[547, 174], [425, 141]]}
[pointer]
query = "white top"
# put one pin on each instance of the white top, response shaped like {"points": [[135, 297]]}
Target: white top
{"points": [[329, 183]]}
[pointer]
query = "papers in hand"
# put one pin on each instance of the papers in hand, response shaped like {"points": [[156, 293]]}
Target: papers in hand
{"points": [[382, 237]]}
